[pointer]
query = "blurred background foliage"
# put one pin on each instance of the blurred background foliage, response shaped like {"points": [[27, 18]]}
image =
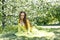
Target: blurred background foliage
{"points": [[39, 12]]}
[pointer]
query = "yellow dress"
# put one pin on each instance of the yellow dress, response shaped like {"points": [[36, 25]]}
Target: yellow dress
{"points": [[34, 32], [22, 31]]}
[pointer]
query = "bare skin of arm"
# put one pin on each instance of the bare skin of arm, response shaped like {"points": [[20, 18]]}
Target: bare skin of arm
{"points": [[29, 27]]}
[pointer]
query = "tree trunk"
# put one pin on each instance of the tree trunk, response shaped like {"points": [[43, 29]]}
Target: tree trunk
{"points": [[3, 16]]}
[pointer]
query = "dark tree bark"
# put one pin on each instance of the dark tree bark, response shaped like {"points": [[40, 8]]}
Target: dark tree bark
{"points": [[3, 16]]}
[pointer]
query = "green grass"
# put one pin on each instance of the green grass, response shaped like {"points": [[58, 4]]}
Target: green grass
{"points": [[8, 34]]}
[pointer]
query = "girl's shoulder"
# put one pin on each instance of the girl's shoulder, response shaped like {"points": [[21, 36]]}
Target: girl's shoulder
{"points": [[18, 20], [27, 20]]}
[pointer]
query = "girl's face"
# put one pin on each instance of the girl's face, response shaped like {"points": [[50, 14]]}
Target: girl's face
{"points": [[22, 16]]}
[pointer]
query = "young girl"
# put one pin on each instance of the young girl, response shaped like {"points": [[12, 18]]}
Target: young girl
{"points": [[24, 28]]}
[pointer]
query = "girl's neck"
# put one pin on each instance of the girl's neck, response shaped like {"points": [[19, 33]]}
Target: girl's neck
{"points": [[21, 20]]}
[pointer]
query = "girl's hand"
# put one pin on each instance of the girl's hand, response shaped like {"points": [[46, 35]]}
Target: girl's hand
{"points": [[28, 32]]}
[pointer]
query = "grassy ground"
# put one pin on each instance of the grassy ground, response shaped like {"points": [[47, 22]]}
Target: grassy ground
{"points": [[11, 36]]}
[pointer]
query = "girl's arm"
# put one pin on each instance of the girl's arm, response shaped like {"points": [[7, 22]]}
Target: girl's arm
{"points": [[29, 27], [19, 27]]}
